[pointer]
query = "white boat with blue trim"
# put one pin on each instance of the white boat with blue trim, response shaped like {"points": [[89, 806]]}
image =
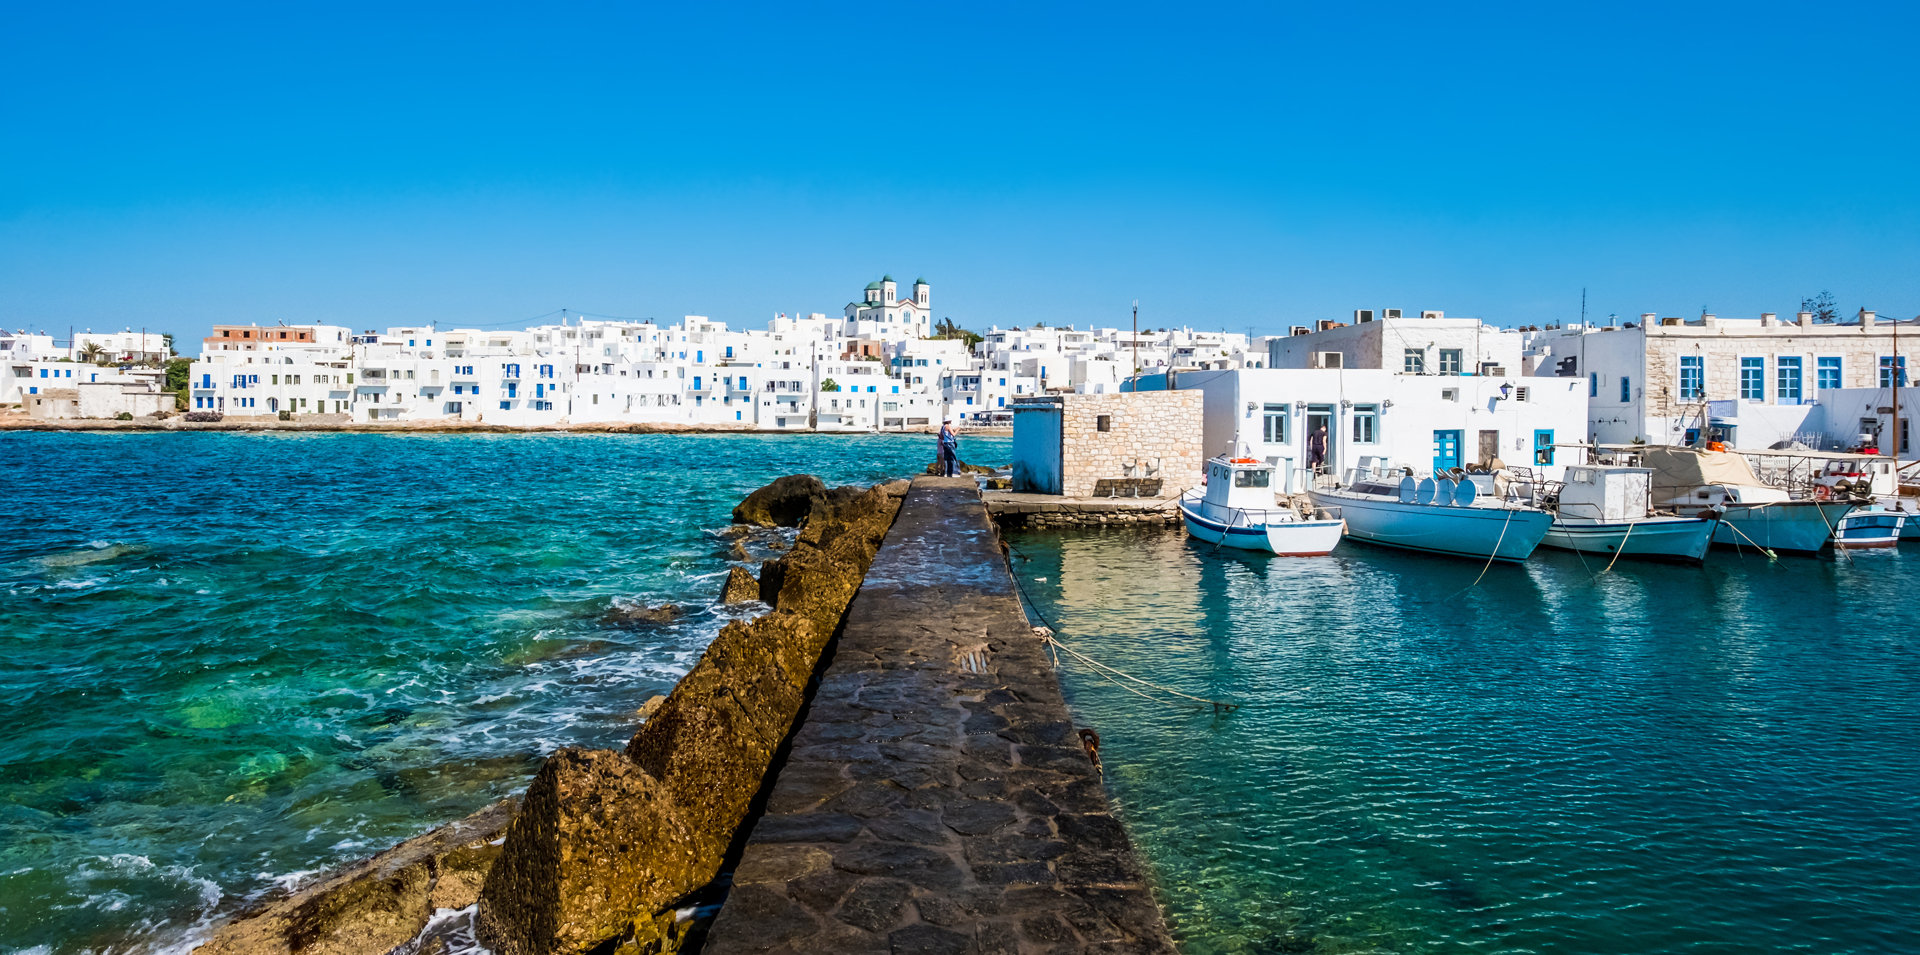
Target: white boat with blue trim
{"points": [[1752, 514], [1607, 511], [1444, 515], [1237, 509]]}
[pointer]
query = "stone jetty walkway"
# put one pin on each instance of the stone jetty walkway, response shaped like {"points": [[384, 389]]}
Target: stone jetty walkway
{"points": [[937, 798]]}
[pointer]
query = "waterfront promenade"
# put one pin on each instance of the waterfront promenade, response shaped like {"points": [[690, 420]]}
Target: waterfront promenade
{"points": [[937, 797]]}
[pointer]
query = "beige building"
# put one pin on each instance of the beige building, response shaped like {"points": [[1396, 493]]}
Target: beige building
{"points": [[1753, 381], [1131, 444]]}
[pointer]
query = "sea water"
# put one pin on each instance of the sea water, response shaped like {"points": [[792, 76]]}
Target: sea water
{"points": [[1549, 758], [231, 661]]}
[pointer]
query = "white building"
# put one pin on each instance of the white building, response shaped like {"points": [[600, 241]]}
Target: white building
{"points": [[1753, 382], [1387, 419], [802, 372], [1431, 344]]}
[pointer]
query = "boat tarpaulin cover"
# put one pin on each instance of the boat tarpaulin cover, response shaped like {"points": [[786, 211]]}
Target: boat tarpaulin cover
{"points": [[1687, 468]]}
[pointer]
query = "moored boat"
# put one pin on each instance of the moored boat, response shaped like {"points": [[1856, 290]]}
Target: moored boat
{"points": [[1444, 516], [1869, 526], [1752, 514], [1873, 483], [1237, 509], [1606, 511]]}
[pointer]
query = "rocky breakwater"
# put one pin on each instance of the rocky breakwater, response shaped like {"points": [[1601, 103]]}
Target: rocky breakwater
{"points": [[608, 844]]}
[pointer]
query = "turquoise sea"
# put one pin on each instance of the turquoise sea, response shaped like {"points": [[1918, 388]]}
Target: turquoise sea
{"points": [[228, 661], [231, 661], [1723, 759]]}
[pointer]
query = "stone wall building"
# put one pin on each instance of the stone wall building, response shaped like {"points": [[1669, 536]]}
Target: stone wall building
{"points": [[1131, 444], [1751, 382]]}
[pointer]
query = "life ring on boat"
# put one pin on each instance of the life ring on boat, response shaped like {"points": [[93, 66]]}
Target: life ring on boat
{"points": [[1821, 492], [1243, 461]]}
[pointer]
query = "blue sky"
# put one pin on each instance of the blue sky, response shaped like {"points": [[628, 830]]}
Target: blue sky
{"points": [[1230, 167]]}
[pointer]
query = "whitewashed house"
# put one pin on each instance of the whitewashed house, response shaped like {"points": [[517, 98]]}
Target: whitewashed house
{"points": [[1376, 418]]}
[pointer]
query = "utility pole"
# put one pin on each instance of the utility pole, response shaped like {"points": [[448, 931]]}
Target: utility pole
{"points": [[1136, 342]]}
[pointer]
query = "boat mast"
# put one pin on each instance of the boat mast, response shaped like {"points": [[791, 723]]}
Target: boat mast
{"points": [[1897, 375]]}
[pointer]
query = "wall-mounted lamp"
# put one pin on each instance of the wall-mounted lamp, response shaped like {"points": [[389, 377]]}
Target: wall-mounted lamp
{"points": [[1384, 405], [1299, 406], [1252, 407], [1506, 391], [1345, 403]]}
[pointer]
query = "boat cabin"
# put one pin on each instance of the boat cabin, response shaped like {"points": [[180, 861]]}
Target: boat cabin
{"points": [[1605, 494], [1243, 483], [1857, 476]]}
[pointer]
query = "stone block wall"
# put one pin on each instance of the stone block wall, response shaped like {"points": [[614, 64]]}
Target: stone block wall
{"points": [[1150, 434]]}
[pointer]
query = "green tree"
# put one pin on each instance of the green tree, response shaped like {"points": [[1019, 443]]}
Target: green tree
{"points": [[1822, 306], [177, 377], [829, 385]]}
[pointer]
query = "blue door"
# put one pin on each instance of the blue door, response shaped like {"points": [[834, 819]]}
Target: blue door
{"points": [[1446, 450]]}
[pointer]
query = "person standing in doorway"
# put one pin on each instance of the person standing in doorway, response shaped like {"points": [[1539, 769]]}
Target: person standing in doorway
{"points": [[949, 450], [1317, 450]]}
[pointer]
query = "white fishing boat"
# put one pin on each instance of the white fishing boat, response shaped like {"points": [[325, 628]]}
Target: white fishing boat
{"points": [[1607, 511], [1447, 515], [1237, 508], [1882, 517], [1753, 515]]}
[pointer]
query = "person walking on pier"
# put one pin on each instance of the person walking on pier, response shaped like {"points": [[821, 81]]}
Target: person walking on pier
{"points": [[949, 450]]}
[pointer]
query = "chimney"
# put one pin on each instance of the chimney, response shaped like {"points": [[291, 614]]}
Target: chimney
{"points": [[1768, 319], [1709, 321], [1648, 318], [1805, 319], [1866, 319]]}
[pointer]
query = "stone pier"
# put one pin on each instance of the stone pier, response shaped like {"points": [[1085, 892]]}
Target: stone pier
{"points": [[937, 797]]}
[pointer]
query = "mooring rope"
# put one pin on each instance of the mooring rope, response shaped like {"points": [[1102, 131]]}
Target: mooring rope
{"points": [[1054, 645], [1756, 544], [1833, 533], [1495, 553], [1622, 548], [1047, 636]]}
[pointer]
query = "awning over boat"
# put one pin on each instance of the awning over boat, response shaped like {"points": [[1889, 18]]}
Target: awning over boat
{"points": [[1687, 468]]}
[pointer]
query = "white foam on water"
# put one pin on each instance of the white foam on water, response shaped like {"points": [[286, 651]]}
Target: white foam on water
{"points": [[453, 929]]}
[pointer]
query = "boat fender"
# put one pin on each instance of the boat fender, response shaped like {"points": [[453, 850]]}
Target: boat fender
{"points": [[1821, 492]]}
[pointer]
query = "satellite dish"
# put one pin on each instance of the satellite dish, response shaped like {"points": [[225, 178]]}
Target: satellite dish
{"points": [[1406, 490], [1464, 495], [1423, 493]]}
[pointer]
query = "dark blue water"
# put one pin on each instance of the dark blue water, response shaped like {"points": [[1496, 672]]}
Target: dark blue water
{"points": [[228, 661], [1720, 759]]}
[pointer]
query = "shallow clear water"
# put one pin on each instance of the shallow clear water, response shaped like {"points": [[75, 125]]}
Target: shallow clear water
{"points": [[1715, 759], [230, 660]]}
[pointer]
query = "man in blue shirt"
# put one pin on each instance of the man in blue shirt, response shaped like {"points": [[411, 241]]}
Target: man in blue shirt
{"points": [[949, 450]]}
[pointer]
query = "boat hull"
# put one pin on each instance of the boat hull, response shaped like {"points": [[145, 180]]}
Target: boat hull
{"points": [[1679, 539], [1863, 529], [1801, 527], [1285, 539], [1500, 533]]}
